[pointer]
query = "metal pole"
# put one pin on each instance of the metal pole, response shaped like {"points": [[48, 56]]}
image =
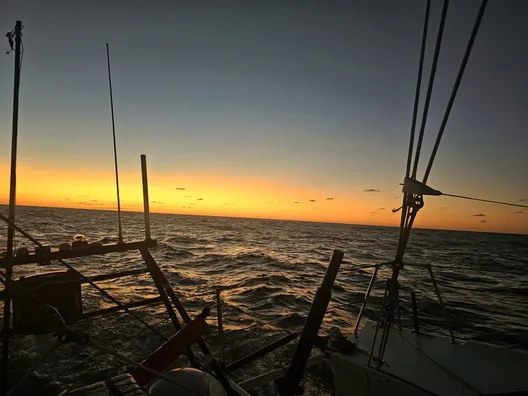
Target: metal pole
{"points": [[399, 312], [12, 206], [146, 209], [262, 351], [415, 314], [364, 304], [383, 301], [219, 373], [441, 304], [115, 146], [220, 325]]}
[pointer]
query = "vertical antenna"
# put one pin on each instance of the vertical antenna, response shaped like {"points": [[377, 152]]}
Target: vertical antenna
{"points": [[146, 209], [115, 146], [12, 206]]}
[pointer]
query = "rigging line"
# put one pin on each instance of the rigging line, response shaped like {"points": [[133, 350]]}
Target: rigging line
{"points": [[21, 53], [430, 86], [393, 292], [404, 217], [486, 200], [103, 292], [418, 88], [120, 231], [99, 346], [113, 299], [405, 208], [87, 359], [461, 71]]}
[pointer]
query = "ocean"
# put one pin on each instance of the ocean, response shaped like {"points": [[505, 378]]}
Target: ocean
{"points": [[268, 271]]}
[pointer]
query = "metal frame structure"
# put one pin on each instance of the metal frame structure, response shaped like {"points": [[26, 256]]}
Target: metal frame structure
{"points": [[167, 296]]}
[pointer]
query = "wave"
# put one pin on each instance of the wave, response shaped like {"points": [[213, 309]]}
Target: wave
{"points": [[270, 270]]}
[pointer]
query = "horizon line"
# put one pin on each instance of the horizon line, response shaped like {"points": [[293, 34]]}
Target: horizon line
{"points": [[268, 218]]}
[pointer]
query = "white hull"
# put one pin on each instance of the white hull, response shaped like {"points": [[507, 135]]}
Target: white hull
{"points": [[425, 365]]}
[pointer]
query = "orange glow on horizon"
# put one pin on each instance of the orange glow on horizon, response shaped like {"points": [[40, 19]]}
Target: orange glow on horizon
{"points": [[225, 195]]}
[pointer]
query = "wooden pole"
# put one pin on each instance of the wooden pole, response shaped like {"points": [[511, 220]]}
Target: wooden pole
{"points": [[146, 209], [290, 384], [4, 386]]}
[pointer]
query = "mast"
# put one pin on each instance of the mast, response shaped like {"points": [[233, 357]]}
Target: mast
{"points": [[11, 216]]}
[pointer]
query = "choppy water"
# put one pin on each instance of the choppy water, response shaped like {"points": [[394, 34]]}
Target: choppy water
{"points": [[270, 270]]}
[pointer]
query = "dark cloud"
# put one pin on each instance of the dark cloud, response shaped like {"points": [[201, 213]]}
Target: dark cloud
{"points": [[180, 188], [371, 190], [84, 203], [397, 197], [67, 199], [519, 211], [523, 200], [312, 200], [483, 221], [157, 202], [373, 212], [93, 200], [329, 199], [297, 202], [199, 199], [187, 196], [381, 208], [479, 215]]}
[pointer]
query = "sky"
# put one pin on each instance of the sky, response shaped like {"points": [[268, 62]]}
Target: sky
{"points": [[287, 110]]}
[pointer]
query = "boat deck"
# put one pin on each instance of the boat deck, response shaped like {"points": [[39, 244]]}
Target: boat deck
{"points": [[439, 367]]}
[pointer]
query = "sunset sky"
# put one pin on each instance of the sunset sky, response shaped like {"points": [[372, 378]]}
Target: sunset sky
{"points": [[261, 109]]}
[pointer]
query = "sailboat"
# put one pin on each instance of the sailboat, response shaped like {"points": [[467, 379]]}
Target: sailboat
{"points": [[400, 361], [378, 358]]}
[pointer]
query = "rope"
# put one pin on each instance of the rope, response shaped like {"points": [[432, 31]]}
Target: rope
{"points": [[430, 87], [418, 88], [456, 86], [486, 200]]}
